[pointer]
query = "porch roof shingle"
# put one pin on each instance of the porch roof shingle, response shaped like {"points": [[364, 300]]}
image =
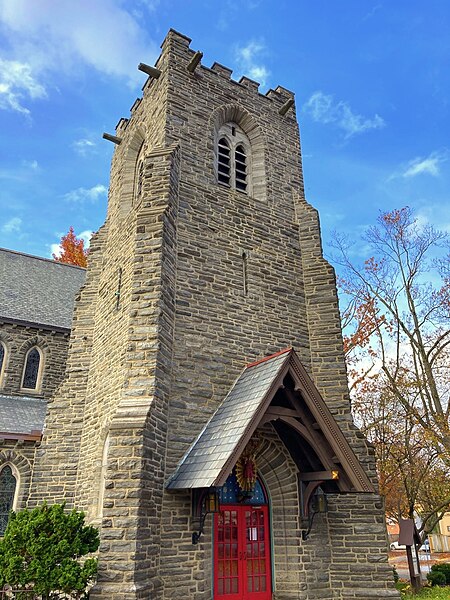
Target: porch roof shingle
{"points": [[203, 464]]}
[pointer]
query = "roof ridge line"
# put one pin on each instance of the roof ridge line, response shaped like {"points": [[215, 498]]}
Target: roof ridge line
{"points": [[43, 258], [266, 358]]}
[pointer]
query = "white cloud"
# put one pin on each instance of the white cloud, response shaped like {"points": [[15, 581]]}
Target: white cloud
{"points": [[323, 109], [249, 61], [84, 147], [12, 226], [232, 10], [429, 165], [150, 5], [53, 37], [370, 14], [17, 83], [31, 164], [86, 236], [55, 249], [86, 194]]}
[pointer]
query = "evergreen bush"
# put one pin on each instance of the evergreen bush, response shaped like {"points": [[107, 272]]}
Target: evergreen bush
{"points": [[443, 568], [43, 548], [436, 578]]}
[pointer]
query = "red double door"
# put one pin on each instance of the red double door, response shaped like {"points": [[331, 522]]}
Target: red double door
{"points": [[242, 554]]}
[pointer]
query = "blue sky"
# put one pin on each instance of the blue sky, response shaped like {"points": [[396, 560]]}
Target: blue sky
{"points": [[371, 78]]}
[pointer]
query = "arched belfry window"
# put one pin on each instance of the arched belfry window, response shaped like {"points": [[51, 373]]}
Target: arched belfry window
{"points": [[8, 485], [2, 361], [32, 369], [233, 158]]}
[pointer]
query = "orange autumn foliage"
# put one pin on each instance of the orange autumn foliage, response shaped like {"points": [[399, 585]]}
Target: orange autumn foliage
{"points": [[73, 251]]}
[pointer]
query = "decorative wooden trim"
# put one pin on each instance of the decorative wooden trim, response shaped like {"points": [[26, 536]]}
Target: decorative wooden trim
{"points": [[319, 476], [330, 428], [33, 436]]}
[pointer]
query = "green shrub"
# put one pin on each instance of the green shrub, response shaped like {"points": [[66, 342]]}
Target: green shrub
{"points": [[443, 568], [43, 548], [436, 578]]}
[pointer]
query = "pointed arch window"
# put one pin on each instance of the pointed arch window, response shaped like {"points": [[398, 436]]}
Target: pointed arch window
{"points": [[233, 156], [32, 369], [2, 361], [8, 486]]}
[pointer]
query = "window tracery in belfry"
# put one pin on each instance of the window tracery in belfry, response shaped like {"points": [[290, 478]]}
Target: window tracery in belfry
{"points": [[233, 158]]}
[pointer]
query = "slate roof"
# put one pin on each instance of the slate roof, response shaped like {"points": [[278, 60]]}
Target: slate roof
{"points": [[21, 415], [36, 290], [204, 463]]}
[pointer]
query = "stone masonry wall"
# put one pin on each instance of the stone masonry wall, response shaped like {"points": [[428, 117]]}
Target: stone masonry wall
{"points": [[357, 530], [55, 472], [131, 525]]}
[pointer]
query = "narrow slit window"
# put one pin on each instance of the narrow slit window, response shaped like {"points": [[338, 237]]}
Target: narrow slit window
{"points": [[139, 172], [245, 273], [140, 179], [8, 484], [119, 288], [2, 360], [103, 473], [224, 162], [31, 372]]}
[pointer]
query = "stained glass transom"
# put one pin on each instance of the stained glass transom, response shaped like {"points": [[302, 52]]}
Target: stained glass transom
{"points": [[230, 493], [30, 377], [7, 491]]}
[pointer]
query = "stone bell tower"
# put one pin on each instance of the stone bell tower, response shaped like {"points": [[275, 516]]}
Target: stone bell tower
{"points": [[208, 333]]}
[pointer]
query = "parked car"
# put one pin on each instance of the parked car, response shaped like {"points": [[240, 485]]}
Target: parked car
{"points": [[425, 547], [396, 546]]}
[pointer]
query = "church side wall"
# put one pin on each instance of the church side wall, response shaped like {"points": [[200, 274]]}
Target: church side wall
{"points": [[18, 340]]}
